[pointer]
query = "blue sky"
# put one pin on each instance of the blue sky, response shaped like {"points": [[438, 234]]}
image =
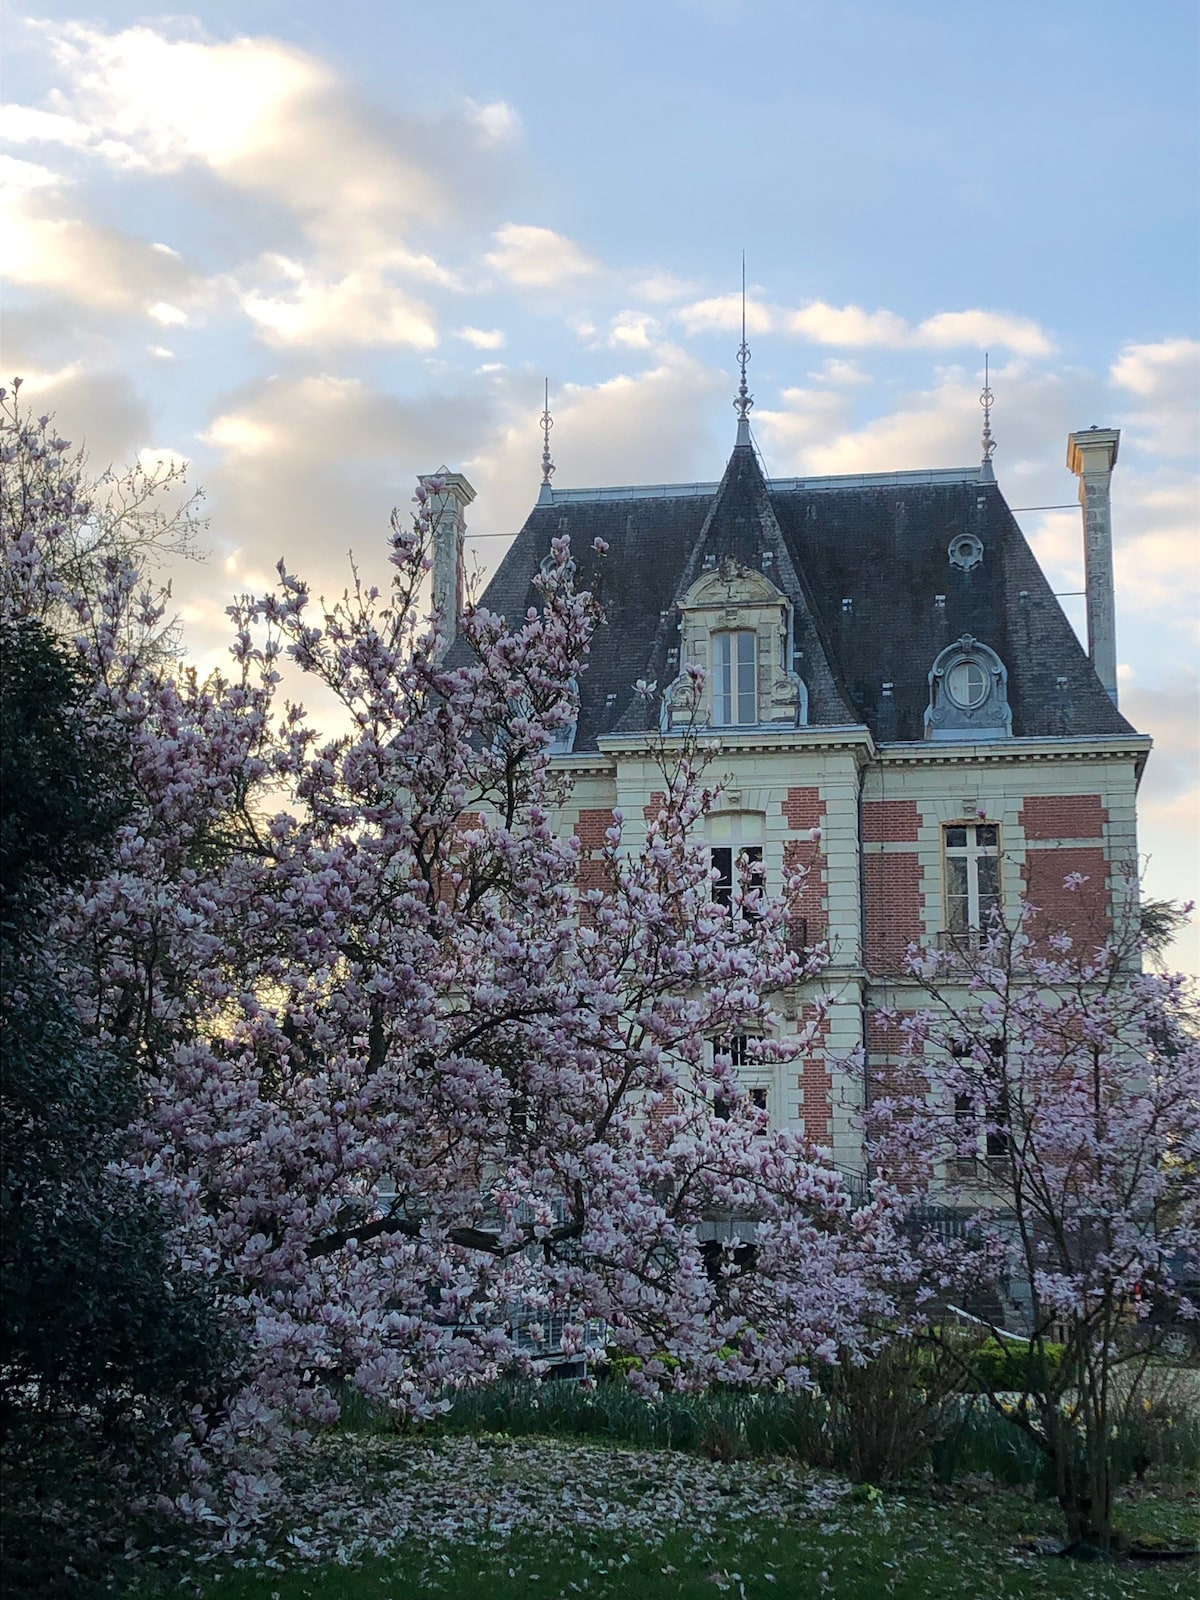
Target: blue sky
{"points": [[316, 250]]}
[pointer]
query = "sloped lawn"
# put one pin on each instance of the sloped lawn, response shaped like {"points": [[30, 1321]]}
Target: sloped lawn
{"points": [[497, 1518]]}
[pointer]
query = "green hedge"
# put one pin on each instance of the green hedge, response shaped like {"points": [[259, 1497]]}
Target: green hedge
{"points": [[997, 1366]]}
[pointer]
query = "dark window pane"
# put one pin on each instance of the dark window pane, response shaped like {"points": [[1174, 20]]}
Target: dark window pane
{"points": [[957, 905], [722, 860], [987, 835], [989, 884], [758, 1096], [956, 838]]}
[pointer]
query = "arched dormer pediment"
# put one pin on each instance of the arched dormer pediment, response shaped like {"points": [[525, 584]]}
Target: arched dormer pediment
{"points": [[731, 585], [736, 626], [968, 694]]}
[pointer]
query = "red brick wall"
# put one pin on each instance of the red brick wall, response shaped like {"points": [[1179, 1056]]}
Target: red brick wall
{"points": [[809, 904], [592, 871], [591, 828], [1063, 816], [804, 808], [890, 822], [654, 805], [1084, 912], [894, 907], [816, 1085]]}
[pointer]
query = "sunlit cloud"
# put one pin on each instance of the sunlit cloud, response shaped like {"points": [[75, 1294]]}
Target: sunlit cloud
{"points": [[481, 338], [854, 327], [539, 258]]}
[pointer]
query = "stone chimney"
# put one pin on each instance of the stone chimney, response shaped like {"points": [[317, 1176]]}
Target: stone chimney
{"points": [[447, 514], [1091, 456]]}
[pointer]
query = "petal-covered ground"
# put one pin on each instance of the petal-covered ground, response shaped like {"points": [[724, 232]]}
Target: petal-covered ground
{"points": [[352, 1496]]}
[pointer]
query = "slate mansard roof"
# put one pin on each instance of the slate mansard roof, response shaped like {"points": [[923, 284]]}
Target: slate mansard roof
{"points": [[865, 562]]}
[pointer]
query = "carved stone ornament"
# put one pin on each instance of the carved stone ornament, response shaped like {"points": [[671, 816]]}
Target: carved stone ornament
{"points": [[736, 599], [968, 694]]}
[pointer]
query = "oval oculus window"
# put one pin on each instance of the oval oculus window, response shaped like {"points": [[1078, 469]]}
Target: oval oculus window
{"points": [[967, 684]]}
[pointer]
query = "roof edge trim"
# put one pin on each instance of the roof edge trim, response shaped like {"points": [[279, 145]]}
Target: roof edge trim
{"points": [[847, 480]]}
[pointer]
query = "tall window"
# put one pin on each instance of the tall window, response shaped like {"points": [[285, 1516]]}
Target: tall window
{"points": [[735, 679], [737, 859], [736, 1047], [972, 876]]}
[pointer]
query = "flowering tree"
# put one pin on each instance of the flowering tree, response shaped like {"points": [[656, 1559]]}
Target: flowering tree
{"points": [[401, 1074], [1058, 1090]]}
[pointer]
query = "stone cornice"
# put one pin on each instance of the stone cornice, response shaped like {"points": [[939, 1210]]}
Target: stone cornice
{"points": [[753, 741], [1021, 752]]}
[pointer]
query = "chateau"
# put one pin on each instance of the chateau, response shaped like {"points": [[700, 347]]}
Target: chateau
{"points": [[900, 702]]}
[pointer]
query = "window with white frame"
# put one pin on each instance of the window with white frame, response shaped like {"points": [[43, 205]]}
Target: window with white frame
{"points": [[735, 679], [736, 1048], [982, 1113], [972, 853], [736, 845]]}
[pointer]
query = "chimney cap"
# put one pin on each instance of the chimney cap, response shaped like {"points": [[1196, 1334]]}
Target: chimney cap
{"points": [[1091, 448], [453, 483]]}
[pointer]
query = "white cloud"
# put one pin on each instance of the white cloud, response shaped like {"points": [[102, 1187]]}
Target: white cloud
{"points": [[639, 427], [1165, 378], [853, 327], [632, 330], [481, 338], [265, 117], [361, 308], [89, 264], [160, 352], [16, 175], [539, 258], [846, 325], [497, 121], [167, 315], [985, 330], [660, 287], [723, 314], [843, 373]]}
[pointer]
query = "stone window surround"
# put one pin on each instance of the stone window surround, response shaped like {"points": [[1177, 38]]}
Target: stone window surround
{"points": [[731, 600]]}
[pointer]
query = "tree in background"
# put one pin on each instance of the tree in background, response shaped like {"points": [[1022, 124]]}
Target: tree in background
{"points": [[1059, 1090], [104, 1340], [408, 1073]]}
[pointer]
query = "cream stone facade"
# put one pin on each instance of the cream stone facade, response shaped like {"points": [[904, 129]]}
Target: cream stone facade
{"points": [[899, 706]]}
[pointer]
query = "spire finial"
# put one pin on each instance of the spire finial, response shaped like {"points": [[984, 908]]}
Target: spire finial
{"points": [[744, 399], [547, 422], [985, 400]]}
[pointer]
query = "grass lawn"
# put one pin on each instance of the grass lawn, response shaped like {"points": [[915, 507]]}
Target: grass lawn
{"points": [[498, 1519]]}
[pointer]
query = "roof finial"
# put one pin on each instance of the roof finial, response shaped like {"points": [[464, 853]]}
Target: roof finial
{"points": [[547, 422], [985, 400], [744, 399]]}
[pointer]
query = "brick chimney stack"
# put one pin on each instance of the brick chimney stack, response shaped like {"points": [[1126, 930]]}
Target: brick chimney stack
{"points": [[447, 512], [1091, 456]]}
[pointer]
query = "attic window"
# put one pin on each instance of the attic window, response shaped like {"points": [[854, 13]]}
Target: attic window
{"points": [[966, 551], [968, 694], [967, 684], [735, 679]]}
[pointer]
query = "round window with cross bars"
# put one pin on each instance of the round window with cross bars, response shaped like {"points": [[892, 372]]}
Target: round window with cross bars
{"points": [[967, 684]]}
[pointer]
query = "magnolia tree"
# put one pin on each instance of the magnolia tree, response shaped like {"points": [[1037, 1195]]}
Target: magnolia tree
{"points": [[404, 1081], [1057, 1089]]}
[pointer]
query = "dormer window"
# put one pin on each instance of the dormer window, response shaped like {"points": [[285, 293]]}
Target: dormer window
{"points": [[968, 694], [736, 628], [735, 679]]}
